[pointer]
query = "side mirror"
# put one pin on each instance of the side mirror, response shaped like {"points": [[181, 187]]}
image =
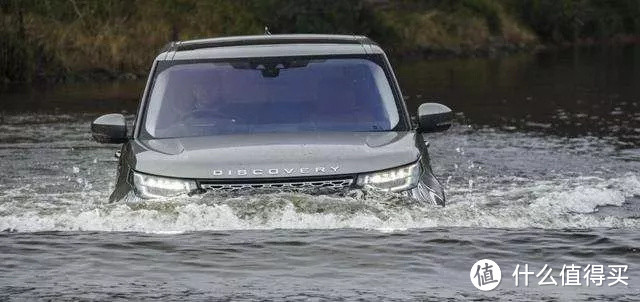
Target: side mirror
{"points": [[434, 117], [109, 129]]}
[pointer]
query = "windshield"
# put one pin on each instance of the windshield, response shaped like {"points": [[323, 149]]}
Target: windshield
{"points": [[276, 95]]}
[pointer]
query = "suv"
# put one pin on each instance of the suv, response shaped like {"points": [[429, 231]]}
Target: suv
{"points": [[319, 113]]}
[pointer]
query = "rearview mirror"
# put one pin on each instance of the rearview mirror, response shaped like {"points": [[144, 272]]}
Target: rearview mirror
{"points": [[434, 117], [109, 129]]}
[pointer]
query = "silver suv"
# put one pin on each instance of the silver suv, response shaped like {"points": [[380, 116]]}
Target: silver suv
{"points": [[318, 113]]}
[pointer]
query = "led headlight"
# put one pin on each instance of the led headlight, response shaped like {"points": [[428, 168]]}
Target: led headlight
{"points": [[148, 186], [394, 180]]}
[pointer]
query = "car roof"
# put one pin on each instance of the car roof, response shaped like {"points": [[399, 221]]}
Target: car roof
{"points": [[268, 46]]}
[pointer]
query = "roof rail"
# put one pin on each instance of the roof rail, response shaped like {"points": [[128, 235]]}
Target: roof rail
{"points": [[266, 40]]}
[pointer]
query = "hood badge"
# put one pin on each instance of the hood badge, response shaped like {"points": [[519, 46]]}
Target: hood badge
{"points": [[276, 171]]}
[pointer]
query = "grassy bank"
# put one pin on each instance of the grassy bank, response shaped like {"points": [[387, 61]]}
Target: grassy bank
{"points": [[103, 39]]}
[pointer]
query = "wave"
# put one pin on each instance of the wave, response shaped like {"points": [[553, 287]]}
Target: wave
{"points": [[559, 204]]}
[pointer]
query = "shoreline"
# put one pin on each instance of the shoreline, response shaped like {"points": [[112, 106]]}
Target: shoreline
{"points": [[493, 50]]}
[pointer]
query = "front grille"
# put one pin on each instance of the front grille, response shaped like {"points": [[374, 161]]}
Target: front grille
{"points": [[298, 185]]}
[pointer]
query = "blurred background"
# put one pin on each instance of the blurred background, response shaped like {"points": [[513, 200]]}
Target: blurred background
{"points": [[71, 40]]}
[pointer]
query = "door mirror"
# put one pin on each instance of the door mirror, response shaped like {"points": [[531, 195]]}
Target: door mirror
{"points": [[109, 129], [434, 117]]}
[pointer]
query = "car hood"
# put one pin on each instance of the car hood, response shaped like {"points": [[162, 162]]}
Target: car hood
{"points": [[273, 155]]}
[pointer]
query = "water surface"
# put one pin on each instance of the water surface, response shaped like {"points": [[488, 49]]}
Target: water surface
{"points": [[542, 167]]}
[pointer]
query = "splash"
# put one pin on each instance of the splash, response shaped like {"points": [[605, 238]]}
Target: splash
{"points": [[570, 203]]}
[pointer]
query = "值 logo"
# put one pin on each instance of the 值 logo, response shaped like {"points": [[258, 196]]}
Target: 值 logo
{"points": [[485, 275]]}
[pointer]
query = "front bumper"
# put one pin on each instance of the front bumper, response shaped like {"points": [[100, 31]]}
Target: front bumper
{"points": [[427, 189]]}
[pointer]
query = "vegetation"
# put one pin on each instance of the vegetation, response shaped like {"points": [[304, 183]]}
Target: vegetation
{"points": [[69, 39]]}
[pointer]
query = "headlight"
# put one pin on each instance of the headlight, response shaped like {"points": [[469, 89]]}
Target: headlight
{"points": [[148, 186], [394, 180]]}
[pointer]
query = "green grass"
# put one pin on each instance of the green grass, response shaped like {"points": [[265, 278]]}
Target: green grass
{"points": [[61, 39]]}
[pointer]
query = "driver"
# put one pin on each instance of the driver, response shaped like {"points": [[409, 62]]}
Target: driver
{"points": [[208, 101], [205, 98], [208, 107]]}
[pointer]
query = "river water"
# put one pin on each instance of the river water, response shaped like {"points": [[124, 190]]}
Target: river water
{"points": [[542, 167]]}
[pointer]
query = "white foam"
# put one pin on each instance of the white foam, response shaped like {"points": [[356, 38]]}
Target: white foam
{"points": [[567, 203]]}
